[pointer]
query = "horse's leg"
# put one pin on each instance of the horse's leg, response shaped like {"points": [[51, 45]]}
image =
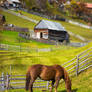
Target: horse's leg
{"points": [[57, 82], [68, 86], [52, 85], [31, 85], [28, 77]]}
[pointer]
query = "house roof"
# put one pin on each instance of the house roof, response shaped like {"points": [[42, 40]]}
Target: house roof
{"points": [[89, 5], [45, 24], [11, 1]]}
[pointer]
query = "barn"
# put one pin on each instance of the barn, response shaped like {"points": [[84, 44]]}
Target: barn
{"points": [[50, 30], [2, 19]]}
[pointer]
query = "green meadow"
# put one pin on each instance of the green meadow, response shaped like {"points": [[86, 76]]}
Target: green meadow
{"points": [[86, 33], [20, 61], [81, 83], [18, 21]]}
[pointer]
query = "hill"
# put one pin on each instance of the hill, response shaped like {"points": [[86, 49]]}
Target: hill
{"points": [[82, 83], [87, 1], [22, 60], [86, 33]]}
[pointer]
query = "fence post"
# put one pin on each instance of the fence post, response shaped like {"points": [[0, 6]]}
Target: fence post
{"points": [[20, 48], [77, 65], [3, 81], [7, 46], [10, 69], [47, 85], [7, 81]]}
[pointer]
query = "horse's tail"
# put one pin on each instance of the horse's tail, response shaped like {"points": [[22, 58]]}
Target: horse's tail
{"points": [[67, 80], [28, 77]]}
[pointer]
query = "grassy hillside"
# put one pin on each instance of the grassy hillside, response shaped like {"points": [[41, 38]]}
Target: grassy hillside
{"points": [[86, 33], [12, 38], [21, 61], [12, 19], [87, 1], [82, 83]]}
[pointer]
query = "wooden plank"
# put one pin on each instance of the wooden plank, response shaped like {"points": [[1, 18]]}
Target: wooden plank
{"points": [[16, 75], [84, 51], [68, 61], [17, 78], [84, 58], [71, 68], [85, 68], [70, 64], [85, 64], [83, 61], [21, 87]]}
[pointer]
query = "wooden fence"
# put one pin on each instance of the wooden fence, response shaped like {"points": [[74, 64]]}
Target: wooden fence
{"points": [[22, 49], [81, 62], [18, 82], [29, 49], [75, 66]]}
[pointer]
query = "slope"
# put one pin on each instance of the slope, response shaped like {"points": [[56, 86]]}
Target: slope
{"points": [[82, 83]]}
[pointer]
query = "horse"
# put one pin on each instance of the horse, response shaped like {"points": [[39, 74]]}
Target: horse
{"points": [[52, 73]]}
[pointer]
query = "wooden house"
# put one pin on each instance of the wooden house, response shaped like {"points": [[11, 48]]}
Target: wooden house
{"points": [[50, 30], [12, 4]]}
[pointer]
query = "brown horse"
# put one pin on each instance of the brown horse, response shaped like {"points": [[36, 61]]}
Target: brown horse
{"points": [[53, 73]]}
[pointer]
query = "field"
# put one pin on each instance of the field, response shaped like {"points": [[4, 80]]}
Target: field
{"points": [[87, 1], [23, 60], [86, 33], [20, 61], [82, 83], [8, 37]]}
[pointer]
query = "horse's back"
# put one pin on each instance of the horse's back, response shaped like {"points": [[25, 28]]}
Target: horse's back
{"points": [[46, 72]]}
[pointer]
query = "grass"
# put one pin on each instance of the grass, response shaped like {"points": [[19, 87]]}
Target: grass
{"points": [[21, 61], [82, 83], [86, 33], [87, 1], [12, 38], [35, 17], [18, 21]]}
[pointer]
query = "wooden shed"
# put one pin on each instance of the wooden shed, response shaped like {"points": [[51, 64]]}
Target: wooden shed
{"points": [[50, 30], [2, 19]]}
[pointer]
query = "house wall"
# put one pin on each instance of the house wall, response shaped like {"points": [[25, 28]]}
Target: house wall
{"points": [[41, 33], [57, 35]]}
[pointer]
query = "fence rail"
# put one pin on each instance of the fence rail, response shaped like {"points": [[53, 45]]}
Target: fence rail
{"points": [[80, 62], [74, 67], [23, 49], [18, 82]]}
